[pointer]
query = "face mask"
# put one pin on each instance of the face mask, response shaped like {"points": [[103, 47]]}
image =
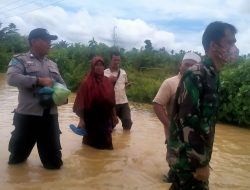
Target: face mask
{"points": [[231, 54]]}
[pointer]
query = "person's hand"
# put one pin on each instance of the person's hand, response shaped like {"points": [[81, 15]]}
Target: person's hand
{"points": [[128, 84], [45, 81], [202, 174]]}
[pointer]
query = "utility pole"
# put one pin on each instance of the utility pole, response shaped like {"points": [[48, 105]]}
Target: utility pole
{"points": [[114, 36]]}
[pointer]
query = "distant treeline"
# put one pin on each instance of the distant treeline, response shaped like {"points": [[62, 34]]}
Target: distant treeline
{"points": [[146, 68]]}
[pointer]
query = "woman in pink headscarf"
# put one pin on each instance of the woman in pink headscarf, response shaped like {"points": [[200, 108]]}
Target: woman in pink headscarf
{"points": [[94, 105]]}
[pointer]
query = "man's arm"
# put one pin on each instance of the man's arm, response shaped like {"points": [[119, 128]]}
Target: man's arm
{"points": [[162, 99], [162, 116], [16, 75]]}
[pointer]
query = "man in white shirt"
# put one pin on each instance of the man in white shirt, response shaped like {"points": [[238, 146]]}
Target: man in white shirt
{"points": [[119, 78], [164, 99]]}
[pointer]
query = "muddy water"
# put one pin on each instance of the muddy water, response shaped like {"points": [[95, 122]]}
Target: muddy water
{"points": [[137, 162]]}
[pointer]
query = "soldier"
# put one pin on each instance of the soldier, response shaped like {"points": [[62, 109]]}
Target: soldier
{"points": [[164, 99], [35, 118], [195, 108]]}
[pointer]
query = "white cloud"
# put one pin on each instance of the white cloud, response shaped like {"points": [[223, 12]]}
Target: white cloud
{"points": [[133, 33], [171, 24]]}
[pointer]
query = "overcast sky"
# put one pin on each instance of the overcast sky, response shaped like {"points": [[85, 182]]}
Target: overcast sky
{"points": [[176, 25]]}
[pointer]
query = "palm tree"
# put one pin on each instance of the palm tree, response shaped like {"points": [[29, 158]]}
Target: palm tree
{"points": [[92, 43]]}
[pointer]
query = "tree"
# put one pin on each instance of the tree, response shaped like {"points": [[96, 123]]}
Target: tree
{"points": [[7, 31], [148, 45], [11, 42], [162, 50], [60, 45], [92, 43]]}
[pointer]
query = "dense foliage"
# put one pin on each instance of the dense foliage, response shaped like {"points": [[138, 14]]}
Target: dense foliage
{"points": [[10, 42], [235, 94], [146, 68]]}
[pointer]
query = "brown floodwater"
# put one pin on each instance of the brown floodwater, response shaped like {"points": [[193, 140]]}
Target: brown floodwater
{"points": [[137, 161]]}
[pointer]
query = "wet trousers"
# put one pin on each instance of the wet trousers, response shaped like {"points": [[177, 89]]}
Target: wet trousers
{"points": [[123, 112], [186, 181], [29, 130]]}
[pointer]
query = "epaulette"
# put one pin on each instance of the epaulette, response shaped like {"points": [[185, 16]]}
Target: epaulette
{"points": [[16, 59], [18, 55]]}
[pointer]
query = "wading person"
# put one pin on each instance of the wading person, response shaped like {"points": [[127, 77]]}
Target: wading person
{"points": [[164, 99], [119, 79], [195, 108], [94, 104], [36, 116]]}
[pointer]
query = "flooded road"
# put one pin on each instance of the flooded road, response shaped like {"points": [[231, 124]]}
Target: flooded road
{"points": [[137, 161]]}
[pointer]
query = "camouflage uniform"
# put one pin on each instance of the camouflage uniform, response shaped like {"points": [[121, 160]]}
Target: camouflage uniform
{"points": [[193, 125]]}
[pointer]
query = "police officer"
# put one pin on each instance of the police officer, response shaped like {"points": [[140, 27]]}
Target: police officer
{"points": [[35, 122]]}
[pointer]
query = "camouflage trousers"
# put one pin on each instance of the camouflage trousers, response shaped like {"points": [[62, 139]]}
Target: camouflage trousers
{"points": [[186, 181]]}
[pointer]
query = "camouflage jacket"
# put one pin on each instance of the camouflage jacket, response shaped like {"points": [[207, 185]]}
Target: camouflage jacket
{"points": [[194, 117]]}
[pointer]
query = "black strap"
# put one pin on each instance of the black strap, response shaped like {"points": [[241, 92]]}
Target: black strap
{"points": [[117, 76]]}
